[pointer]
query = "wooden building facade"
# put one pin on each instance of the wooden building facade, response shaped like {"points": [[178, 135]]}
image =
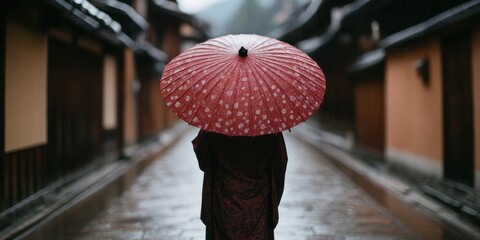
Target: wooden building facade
{"points": [[79, 87], [431, 67], [402, 77]]}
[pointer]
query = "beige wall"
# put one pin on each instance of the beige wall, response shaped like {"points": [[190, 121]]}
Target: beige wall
{"points": [[109, 92], [476, 94], [413, 110], [25, 88]]}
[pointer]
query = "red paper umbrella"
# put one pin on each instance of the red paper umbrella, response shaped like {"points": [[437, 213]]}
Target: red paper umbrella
{"points": [[243, 85]]}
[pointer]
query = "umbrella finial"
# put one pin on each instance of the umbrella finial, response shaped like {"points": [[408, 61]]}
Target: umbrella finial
{"points": [[242, 52]]}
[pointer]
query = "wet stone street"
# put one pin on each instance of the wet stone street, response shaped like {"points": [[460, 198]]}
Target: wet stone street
{"points": [[318, 202]]}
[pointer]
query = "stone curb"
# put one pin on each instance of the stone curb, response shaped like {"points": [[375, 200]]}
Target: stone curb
{"points": [[336, 149]]}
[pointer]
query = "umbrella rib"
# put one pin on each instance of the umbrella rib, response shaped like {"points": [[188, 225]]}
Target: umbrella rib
{"points": [[319, 94], [289, 102], [207, 94], [234, 97], [275, 58], [317, 84], [273, 61], [250, 104], [281, 55], [306, 94], [225, 66], [211, 43], [269, 93], [273, 48], [200, 51], [258, 42], [194, 78], [177, 76], [278, 51], [235, 64], [295, 90], [174, 80], [286, 92], [226, 39]]}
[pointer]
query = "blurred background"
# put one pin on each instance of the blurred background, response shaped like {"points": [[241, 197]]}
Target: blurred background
{"points": [[235, 17], [79, 81]]}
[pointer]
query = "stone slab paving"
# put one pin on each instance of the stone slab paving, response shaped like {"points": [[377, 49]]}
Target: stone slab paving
{"points": [[318, 203]]}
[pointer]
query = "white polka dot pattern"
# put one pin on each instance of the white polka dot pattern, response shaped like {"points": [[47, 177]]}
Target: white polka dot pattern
{"points": [[275, 87]]}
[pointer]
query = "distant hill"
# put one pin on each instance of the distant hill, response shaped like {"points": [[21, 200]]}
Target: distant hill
{"points": [[219, 15], [245, 16]]}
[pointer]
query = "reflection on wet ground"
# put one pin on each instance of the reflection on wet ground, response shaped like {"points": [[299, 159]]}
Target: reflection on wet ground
{"points": [[422, 222], [319, 202]]}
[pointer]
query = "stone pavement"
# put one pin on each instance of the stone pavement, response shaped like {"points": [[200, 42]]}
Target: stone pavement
{"points": [[318, 202]]}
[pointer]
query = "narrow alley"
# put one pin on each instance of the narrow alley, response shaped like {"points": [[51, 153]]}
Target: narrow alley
{"points": [[382, 99], [318, 202]]}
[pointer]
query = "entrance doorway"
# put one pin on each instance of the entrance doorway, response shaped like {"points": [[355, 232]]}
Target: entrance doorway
{"points": [[74, 107], [457, 107]]}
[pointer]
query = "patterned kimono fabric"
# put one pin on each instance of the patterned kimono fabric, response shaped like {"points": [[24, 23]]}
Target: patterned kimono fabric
{"points": [[243, 184]]}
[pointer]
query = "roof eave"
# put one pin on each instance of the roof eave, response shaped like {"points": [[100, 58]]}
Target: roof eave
{"points": [[368, 60], [172, 9], [113, 5], [91, 19], [297, 23], [152, 52], [335, 27], [433, 25]]}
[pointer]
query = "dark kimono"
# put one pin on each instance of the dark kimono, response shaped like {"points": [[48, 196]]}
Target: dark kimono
{"points": [[243, 184]]}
